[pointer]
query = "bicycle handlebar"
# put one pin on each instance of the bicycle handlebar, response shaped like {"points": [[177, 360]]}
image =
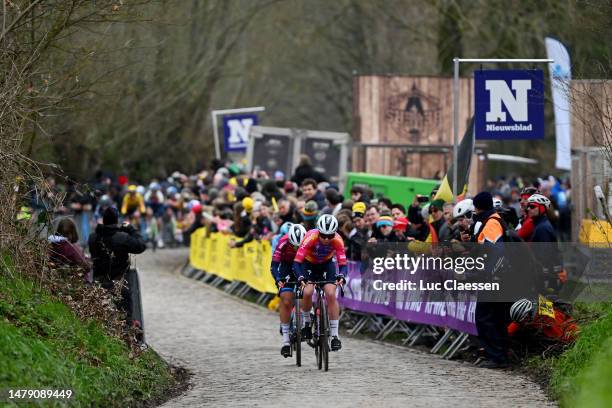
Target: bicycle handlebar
{"points": [[318, 283], [321, 283]]}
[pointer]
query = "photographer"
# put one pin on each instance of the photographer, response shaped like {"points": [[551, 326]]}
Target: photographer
{"points": [[110, 246], [462, 214]]}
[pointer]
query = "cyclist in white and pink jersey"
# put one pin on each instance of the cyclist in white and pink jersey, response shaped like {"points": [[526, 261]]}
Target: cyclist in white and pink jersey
{"points": [[313, 262]]}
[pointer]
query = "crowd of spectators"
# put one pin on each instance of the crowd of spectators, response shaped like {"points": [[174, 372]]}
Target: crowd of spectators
{"points": [[257, 206], [254, 206]]}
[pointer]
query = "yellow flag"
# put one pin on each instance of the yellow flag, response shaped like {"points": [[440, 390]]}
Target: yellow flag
{"points": [[545, 307], [464, 161]]}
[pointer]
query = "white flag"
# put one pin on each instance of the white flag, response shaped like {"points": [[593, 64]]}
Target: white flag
{"points": [[560, 76]]}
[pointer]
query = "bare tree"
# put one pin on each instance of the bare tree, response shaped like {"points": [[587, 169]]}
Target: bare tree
{"points": [[136, 97], [34, 85]]}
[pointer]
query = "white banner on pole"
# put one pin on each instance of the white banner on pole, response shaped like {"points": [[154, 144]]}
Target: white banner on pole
{"points": [[560, 76]]}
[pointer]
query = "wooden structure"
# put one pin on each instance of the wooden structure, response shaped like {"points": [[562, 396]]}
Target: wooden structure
{"points": [[407, 110], [591, 112]]}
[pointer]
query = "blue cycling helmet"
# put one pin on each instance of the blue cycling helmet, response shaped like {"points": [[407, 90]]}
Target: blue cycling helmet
{"points": [[284, 229]]}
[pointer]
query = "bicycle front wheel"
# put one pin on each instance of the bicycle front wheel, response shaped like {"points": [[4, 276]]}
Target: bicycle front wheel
{"points": [[317, 337], [324, 337]]}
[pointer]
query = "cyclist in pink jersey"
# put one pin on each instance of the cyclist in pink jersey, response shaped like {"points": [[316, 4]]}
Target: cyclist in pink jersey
{"points": [[313, 262], [281, 269]]}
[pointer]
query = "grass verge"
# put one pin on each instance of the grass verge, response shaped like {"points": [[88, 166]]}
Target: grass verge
{"points": [[43, 345], [580, 376]]}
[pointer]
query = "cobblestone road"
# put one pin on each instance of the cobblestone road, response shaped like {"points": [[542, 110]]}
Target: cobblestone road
{"points": [[232, 348]]}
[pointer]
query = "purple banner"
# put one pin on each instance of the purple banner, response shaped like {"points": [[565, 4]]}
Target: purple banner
{"points": [[359, 293], [456, 312]]}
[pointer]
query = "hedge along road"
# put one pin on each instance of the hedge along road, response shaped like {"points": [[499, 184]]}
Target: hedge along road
{"points": [[233, 350]]}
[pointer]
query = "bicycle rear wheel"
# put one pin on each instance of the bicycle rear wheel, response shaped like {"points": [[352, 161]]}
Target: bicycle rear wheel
{"points": [[324, 337], [298, 333]]}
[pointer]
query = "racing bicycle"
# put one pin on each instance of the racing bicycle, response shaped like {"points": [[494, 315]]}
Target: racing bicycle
{"points": [[320, 325]]}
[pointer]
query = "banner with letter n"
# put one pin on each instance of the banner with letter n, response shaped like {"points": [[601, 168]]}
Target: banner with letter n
{"points": [[509, 104], [236, 130]]}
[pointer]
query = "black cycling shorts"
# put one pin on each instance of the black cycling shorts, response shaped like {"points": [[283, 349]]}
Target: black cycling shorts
{"points": [[320, 272]]}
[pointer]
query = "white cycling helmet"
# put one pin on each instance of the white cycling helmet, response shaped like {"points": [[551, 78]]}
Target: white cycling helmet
{"points": [[497, 204], [327, 224], [520, 310], [296, 233], [539, 199], [425, 211], [463, 208]]}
